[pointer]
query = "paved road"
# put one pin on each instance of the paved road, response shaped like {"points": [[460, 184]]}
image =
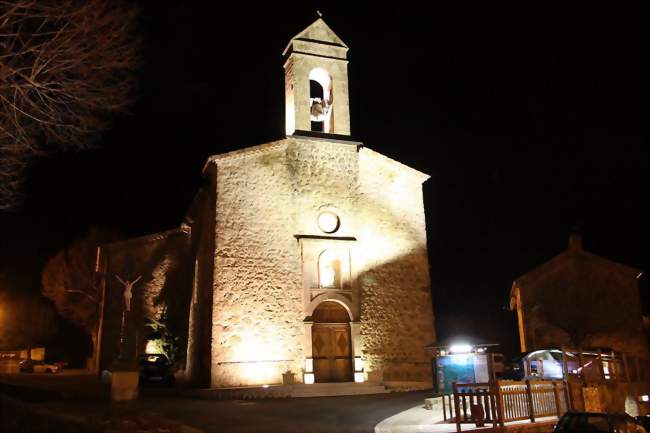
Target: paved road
{"points": [[84, 396], [300, 415]]}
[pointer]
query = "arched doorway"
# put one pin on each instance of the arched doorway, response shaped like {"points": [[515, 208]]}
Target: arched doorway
{"points": [[331, 343]]}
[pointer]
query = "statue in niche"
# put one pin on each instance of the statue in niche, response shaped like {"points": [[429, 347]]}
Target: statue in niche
{"points": [[128, 290], [329, 269]]}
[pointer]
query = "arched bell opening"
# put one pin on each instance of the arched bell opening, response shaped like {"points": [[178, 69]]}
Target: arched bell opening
{"points": [[316, 106], [320, 100], [332, 343]]}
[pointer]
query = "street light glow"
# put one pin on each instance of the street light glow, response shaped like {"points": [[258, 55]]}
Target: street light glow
{"points": [[460, 348]]}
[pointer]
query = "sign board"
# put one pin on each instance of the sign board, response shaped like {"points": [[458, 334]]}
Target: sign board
{"points": [[461, 368]]}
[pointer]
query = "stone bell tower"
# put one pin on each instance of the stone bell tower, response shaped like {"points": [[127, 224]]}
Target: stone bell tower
{"points": [[316, 82]]}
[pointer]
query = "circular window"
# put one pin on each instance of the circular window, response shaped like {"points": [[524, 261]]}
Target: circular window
{"points": [[328, 222]]}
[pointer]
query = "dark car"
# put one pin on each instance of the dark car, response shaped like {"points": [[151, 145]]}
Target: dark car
{"points": [[156, 370], [595, 422]]}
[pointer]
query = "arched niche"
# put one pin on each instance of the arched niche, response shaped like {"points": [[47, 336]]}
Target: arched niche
{"points": [[330, 263]]}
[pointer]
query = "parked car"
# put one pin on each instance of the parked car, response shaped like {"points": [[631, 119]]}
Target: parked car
{"points": [[32, 366], [61, 364], [594, 422], [156, 370]]}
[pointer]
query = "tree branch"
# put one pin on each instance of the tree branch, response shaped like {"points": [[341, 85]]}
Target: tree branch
{"points": [[92, 298], [65, 68]]}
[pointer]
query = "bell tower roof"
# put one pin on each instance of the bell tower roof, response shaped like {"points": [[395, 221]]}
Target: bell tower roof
{"points": [[316, 33]]}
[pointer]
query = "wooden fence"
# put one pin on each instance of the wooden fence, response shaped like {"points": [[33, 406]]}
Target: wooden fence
{"points": [[505, 401], [473, 403]]}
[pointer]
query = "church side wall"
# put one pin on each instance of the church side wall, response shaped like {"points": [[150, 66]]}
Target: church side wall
{"points": [[396, 307], [199, 344], [257, 306]]}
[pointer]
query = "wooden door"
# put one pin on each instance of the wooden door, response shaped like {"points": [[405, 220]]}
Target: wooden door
{"points": [[332, 352]]}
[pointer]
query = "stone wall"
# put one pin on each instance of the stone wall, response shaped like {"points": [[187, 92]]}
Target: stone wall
{"points": [[268, 199], [201, 219], [257, 306], [396, 308]]}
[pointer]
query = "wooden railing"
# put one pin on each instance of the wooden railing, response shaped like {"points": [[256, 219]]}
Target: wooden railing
{"points": [[505, 401], [474, 403], [513, 400], [447, 407], [549, 398]]}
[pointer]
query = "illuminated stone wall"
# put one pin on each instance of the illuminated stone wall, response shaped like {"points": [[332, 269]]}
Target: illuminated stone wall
{"points": [[297, 71], [270, 196], [396, 308], [257, 307]]}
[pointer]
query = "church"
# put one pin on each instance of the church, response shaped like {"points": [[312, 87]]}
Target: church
{"points": [[301, 260]]}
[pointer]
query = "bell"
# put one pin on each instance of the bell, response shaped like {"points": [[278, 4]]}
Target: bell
{"points": [[317, 109]]}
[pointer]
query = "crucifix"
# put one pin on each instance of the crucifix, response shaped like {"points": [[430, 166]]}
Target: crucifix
{"points": [[128, 290], [128, 294]]}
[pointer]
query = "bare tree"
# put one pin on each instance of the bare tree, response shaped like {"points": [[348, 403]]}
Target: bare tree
{"points": [[69, 280], [65, 66]]}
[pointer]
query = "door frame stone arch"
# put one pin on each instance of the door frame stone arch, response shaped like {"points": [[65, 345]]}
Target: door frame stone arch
{"points": [[331, 297], [308, 323]]}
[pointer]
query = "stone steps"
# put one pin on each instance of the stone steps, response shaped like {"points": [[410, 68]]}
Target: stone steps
{"points": [[289, 391], [336, 389]]}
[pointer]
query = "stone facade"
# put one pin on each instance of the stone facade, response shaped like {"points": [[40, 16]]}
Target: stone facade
{"points": [[396, 308], [267, 247]]}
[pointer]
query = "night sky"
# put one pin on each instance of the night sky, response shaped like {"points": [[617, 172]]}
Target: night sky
{"points": [[528, 117]]}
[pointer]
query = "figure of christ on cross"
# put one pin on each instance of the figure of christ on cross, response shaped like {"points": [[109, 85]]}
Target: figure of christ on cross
{"points": [[128, 290]]}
